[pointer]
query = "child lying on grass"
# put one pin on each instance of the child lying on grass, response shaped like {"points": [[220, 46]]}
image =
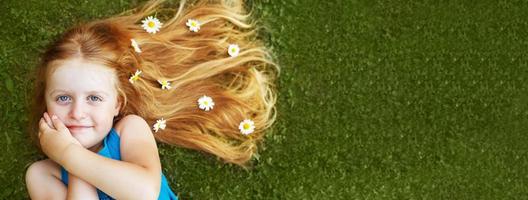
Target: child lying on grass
{"points": [[107, 90]]}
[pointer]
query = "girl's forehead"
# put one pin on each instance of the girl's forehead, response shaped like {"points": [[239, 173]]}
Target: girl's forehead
{"points": [[76, 76]]}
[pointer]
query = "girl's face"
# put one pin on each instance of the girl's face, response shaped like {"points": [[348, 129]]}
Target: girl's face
{"points": [[84, 97]]}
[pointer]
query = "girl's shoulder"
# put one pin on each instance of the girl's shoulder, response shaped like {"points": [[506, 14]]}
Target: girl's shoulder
{"points": [[137, 143], [130, 122]]}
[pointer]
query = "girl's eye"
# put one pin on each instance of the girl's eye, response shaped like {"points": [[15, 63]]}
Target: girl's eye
{"points": [[94, 98], [63, 98]]}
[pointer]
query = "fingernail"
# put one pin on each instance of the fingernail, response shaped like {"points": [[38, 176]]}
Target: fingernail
{"points": [[53, 117]]}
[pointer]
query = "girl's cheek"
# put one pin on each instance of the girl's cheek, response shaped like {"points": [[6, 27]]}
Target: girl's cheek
{"points": [[52, 106], [59, 111]]}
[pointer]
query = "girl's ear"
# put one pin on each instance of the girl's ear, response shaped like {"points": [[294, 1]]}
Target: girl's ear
{"points": [[117, 108]]}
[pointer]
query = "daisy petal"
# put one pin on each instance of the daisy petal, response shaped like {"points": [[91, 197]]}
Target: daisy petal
{"points": [[233, 50], [194, 25], [135, 45], [246, 127], [134, 77], [151, 24], [165, 85], [205, 103], [160, 124]]}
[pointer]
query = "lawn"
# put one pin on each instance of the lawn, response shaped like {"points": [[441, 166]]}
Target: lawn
{"points": [[377, 100]]}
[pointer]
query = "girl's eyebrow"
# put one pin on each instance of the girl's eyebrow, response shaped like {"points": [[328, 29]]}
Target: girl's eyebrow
{"points": [[89, 92], [57, 91]]}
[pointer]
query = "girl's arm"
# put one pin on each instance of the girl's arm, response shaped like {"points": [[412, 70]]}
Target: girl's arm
{"points": [[79, 189], [138, 176]]}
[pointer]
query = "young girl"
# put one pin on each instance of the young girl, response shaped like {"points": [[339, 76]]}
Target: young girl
{"points": [[196, 77]]}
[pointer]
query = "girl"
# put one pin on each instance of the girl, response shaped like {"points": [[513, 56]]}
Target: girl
{"points": [[107, 90]]}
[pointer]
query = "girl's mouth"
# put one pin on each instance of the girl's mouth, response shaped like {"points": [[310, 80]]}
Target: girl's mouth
{"points": [[78, 128]]}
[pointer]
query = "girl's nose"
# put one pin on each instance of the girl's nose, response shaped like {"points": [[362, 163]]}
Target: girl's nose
{"points": [[77, 111]]}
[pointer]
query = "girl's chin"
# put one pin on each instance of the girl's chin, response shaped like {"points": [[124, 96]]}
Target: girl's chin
{"points": [[88, 143], [75, 130]]}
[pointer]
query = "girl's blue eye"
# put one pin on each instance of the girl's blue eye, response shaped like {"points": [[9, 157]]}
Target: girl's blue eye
{"points": [[95, 98], [63, 98]]}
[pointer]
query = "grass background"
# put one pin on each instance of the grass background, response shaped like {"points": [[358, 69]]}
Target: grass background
{"points": [[378, 100]]}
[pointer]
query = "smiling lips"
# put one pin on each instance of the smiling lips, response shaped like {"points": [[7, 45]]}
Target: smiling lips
{"points": [[76, 127]]}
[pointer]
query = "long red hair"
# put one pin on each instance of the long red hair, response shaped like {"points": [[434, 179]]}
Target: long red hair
{"points": [[196, 64]]}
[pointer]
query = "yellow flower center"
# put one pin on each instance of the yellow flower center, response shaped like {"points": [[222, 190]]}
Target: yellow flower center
{"points": [[233, 50], [151, 24], [193, 23], [206, 103], [246, 126]]}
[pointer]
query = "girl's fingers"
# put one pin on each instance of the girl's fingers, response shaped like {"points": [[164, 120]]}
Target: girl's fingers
{"points": [[43, 126], [58, 124], [48, 120], [40, 132]]}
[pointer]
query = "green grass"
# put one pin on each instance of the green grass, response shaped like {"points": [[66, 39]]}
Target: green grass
{"points": [[377, 100]]}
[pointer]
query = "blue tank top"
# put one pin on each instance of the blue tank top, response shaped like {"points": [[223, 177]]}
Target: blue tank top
{"points": [[111, 149]]}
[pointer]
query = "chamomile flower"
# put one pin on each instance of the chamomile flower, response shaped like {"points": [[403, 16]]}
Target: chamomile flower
{"points": [[135, 45], [205, 103], [165, 85], [247, 127], [194, 25], [151, 24], [233, 50], [134, 77], [160, 124]]}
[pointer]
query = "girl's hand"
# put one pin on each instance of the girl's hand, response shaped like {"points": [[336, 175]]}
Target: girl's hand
{"points": [[54, 137]]}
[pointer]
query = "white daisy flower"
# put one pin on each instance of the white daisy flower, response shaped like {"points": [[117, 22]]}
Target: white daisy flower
{"points": [[160, 124], [205, 103], [194, 25], [135, 45], [134, 77], [233, 50], [165, 85], [151, 24], [247, 127]]}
